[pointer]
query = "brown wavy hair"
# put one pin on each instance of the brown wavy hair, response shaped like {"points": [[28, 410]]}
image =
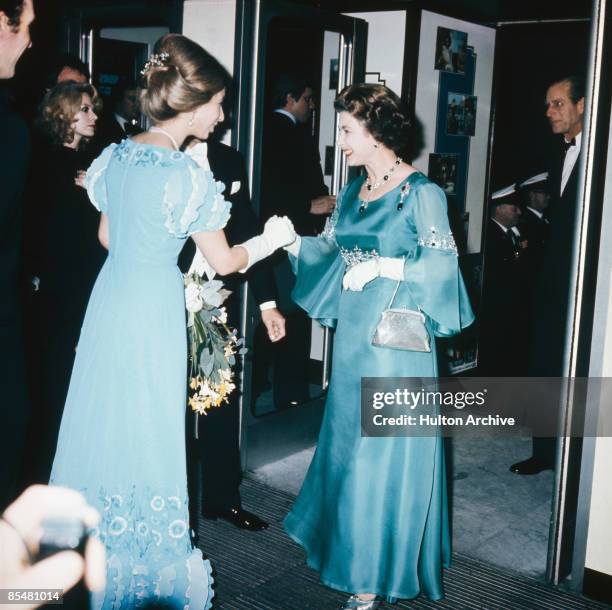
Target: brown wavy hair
{"points": [[381, 112], [188, 78], [59, 107]]}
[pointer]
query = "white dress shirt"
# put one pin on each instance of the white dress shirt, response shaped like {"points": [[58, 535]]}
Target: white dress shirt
{"points": [[570, 160], [506, 229], [121, 121], [287, 113], [537, 213]]}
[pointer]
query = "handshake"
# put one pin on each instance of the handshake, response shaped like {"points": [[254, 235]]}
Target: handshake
{"points": [[278, 233]]}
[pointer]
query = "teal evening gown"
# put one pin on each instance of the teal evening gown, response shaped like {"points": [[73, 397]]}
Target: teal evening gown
{"points": [[122, 437], [372, 513]]}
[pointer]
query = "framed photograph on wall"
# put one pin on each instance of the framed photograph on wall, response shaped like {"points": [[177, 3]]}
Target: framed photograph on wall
{"points": [[451, 46], [443, 171], [333, 74], [461, 114]]}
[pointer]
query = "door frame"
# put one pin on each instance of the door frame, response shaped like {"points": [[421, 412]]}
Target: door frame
{"points": [[252, 18], [79, 21], [568, 549]]}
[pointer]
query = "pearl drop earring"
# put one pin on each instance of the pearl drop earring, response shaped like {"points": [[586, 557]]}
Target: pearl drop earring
{"points": [[191, 121]]}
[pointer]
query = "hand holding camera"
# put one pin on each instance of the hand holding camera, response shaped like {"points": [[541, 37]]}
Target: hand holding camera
{"points": [[43, 535]]}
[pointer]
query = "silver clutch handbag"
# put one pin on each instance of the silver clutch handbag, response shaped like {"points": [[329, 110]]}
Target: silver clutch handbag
{"points": [[402, 328]]}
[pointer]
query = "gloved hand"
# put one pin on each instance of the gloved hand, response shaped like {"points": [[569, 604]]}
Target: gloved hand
{"points": [[381, 266], [294, 248], [278, 232]]}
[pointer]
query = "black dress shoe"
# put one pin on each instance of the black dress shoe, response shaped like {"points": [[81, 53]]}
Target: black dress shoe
{"points": [[530, 466], [237, 516]]}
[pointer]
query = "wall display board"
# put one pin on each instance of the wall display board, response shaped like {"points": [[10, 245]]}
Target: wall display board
{"points": [[462, 84], [453, 108]]}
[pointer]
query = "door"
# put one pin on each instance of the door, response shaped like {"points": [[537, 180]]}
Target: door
{"points": [[115, 62], [330, 52]]}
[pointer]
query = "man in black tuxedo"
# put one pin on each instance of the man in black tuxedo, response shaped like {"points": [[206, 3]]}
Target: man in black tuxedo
{"points": [[120, 120], [502, 318], [217, 448], [565, 108], [15, 19], [293, 186], [292, 179]]}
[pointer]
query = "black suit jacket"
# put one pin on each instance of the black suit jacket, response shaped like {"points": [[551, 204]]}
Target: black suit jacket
{"points": [[502, 313], [15, 152], [14, 160], [108, 131], [228, 167], [502, 274], [291, 174], [535, 230], [551, 291]]}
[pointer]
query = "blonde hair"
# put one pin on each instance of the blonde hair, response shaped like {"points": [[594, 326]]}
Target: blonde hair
{"points": [[59, 108], [179, 77]]}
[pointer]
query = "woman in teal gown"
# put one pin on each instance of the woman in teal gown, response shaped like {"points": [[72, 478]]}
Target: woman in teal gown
{"points": [[372, 513], [122, 437]]}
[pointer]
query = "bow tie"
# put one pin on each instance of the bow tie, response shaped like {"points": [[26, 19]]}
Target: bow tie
{"points": [[568, 145]]}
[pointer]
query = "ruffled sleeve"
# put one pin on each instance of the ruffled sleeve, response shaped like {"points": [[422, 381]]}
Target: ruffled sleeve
{"points": [[193, 201], [433, 275], [319, 269], [95, 179]]}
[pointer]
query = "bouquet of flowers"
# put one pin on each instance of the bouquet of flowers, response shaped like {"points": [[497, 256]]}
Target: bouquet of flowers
{"points": [[212, 344]]}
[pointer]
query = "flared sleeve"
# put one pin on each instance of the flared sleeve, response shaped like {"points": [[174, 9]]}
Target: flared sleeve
{"points": [[95, 179], [319, 269], [193, 201], [433, 274]]}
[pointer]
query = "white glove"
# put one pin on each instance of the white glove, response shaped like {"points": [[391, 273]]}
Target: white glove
{"points": [[294, 248], [278, 232], [381, 266]]}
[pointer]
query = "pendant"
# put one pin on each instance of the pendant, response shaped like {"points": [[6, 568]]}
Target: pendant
{"points": [[363, 207]]}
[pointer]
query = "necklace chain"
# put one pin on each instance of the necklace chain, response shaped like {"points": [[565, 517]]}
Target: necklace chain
{"points": [[371, 187], [166, 133]]}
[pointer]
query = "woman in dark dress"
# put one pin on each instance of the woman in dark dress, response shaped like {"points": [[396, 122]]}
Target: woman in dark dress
{"points": [[64, 253]]}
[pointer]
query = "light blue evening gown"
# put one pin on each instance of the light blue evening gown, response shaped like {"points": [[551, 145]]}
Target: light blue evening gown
{"points": [[122, 438], [372, 514]]}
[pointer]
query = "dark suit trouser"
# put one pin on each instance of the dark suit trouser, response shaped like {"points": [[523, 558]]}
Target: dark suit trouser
{"points": [[216, 451], [291, 360], [14, 413], [291, 355]]}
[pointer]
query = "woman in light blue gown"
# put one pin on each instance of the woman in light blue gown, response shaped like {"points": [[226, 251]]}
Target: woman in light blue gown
{"points": [[122, 438], [372, 513]]}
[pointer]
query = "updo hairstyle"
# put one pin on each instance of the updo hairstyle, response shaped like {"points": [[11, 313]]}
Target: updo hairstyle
{"points": [[380, 111], [179, 77], [59, 108]]}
